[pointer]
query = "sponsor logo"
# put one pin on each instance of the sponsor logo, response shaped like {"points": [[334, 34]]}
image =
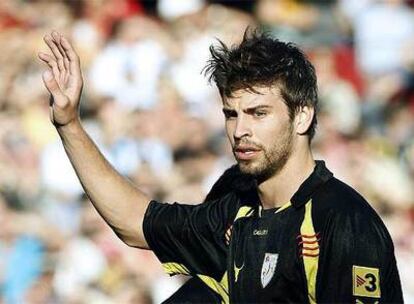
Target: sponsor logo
{"points": [[268, 268], [366, 281], [260, 232]]}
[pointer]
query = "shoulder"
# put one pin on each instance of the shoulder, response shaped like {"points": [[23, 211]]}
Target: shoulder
{"points": [[337, 196], [339, 207], [226, 203]]}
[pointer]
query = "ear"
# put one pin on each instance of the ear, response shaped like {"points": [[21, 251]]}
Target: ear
{"points": [[304, 119]]}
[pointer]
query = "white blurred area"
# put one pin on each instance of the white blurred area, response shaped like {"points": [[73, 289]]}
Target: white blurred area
{"points": [[158, 121]]}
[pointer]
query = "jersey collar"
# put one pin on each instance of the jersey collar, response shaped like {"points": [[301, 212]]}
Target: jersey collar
{"points": [[319, 176]]}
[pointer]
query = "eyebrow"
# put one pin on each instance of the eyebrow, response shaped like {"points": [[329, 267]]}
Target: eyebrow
{"points": [[228, 111], [258, 107]]}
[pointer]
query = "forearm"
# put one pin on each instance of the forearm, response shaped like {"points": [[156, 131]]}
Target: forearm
{"points": [[120, 203]]}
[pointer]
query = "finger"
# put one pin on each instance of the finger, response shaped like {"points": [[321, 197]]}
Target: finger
{"points": [[65, 56], [50, 61], [67, 68], [56, 39], [53, 47], [64, 64], [56, 54], [46, 57], [60, 61], [74, 63]]}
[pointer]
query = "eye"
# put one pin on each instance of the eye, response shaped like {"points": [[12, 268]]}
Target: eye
{"points": [[260, 113]]}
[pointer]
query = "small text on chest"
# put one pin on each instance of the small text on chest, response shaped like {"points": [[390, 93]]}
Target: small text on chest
{"points": [[260, 232]]}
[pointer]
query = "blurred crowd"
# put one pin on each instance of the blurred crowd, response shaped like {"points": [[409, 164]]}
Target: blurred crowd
{"points": [[151, 111]]}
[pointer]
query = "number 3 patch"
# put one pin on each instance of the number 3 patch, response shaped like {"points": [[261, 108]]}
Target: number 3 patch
{"points": [[366, 282]]}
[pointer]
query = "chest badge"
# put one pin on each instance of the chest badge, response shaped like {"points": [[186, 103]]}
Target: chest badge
{"points": [[268, 268]]}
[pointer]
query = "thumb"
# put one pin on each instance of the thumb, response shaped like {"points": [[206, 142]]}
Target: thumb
{"points": [[52, 85]]}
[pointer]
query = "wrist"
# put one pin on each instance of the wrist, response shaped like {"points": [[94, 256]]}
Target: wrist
{"points": [[73, 126]]}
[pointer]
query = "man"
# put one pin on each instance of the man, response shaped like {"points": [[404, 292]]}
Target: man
{"points": [[280, 227]]}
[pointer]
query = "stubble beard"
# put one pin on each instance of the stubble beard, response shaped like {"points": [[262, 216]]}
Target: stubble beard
{"points": [[271, 161]]}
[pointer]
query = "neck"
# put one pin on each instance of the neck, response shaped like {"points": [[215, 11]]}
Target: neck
{"points": [[279, 189]]}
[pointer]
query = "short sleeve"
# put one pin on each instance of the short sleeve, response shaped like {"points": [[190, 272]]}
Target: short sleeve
{"points": [[357, 263], [189, 239]]}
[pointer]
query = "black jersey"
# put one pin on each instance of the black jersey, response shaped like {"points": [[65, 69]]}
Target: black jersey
{"points": [[193, 291], [325, 245]]}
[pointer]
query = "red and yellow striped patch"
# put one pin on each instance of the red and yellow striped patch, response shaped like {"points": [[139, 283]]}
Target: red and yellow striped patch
{"points": [[308, 244]]}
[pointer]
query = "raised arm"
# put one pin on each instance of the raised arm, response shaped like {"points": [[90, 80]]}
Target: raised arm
{"points": [[120, 203]]}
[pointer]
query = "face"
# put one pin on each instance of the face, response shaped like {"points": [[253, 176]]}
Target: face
{"points": [[260, 131]]}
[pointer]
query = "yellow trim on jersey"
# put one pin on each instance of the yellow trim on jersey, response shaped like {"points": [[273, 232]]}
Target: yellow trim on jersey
{"points": [[237, 271], [219, 287], [310, 261], [224, 281], [285, 206], [175, 268], [243, 212]]}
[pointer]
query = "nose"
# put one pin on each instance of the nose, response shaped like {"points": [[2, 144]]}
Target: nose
{"points": [[242, 129]]}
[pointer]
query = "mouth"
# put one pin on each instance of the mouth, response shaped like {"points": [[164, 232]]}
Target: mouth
{"points": [[245, 153]]}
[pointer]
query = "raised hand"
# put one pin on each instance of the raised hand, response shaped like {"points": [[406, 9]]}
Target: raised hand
{"points": [[63, 79]]}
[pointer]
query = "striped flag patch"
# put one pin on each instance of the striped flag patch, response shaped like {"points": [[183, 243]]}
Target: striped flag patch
{"points": [[308, 244]]}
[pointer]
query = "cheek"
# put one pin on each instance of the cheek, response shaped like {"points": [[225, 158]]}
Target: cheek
{"points": [[267, 132], [272, 134]]}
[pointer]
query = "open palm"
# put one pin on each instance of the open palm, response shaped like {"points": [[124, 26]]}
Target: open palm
{"points": [[63, 79]]}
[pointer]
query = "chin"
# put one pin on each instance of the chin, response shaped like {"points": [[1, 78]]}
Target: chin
{"points": [[251, 169], [260, 171]]}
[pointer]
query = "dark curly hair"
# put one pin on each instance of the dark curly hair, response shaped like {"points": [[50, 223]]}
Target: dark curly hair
{"points": [[262, 61]]}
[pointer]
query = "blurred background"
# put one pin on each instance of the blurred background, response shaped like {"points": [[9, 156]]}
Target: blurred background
{"points": [[153, 114]]}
